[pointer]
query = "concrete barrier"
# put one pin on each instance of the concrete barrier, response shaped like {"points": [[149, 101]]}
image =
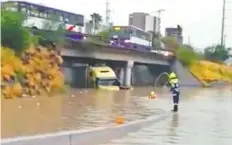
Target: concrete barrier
{"points": [[185, 76], [84, 137]]}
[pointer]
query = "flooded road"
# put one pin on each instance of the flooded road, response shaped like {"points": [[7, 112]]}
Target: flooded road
{"points": [[203, 120], [205, 115]]}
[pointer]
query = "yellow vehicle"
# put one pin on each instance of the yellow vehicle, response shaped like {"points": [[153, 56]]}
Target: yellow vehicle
{"points": [[103, 77]]}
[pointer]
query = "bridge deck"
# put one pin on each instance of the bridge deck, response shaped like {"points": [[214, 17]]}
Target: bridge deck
{"points": [[87, 50]]}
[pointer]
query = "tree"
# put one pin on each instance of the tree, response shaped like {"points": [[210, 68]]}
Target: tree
{"points": [[217, 53], [96, 19], [171, 43], [14, 35], [187, 56], [52, 33], [104, 34], [188, 46], [156, 43]]}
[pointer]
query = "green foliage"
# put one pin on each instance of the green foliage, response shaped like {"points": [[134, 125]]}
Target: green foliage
{"points": [[187, 56], [156, 43], [13, 34], [171, 43], [96, 19], [102, 38], [217, 53], [52, 31], [104, 34], [188, 46], [20, 75]]}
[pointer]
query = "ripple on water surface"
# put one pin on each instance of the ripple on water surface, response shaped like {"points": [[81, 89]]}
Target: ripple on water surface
{"points": [[206, 122], [204, 118], [78, 110]]}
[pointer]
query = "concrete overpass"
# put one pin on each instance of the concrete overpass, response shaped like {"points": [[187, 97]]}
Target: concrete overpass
{"points": [[93, 51], [127, 58]]}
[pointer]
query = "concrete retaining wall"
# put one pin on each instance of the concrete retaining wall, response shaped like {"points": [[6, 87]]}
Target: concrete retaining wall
{"points": [[186, 78]]}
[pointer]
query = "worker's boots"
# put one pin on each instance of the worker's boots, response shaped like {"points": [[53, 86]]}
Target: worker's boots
{"points": [[175, 108]]}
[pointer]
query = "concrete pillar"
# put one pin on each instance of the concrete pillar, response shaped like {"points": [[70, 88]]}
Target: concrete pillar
{"points": [[127, 73], [121, 76]]}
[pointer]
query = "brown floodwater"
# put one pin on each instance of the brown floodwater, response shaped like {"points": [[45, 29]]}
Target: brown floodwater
{"points": [[205, 119], [84, 109]]}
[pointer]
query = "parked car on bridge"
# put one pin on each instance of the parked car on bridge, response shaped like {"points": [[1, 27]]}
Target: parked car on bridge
{"points": [[130, 37]]}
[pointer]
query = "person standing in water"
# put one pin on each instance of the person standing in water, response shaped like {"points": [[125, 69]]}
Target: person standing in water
{"points": [[173, 82]]}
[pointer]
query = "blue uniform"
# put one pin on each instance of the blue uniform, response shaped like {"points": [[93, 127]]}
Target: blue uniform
{"points": [[174, 87], [175, 92]]}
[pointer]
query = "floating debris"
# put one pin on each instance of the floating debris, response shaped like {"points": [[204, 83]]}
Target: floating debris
{"points": [[37, 104], [120, 120]]}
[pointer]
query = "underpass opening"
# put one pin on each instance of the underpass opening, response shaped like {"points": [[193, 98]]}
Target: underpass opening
{"points": [[146, 74], [76, 70]]}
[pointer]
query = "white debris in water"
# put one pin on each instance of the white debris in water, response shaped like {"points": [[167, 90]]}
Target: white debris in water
{"points": [[69, 102], [33, 96], [20, 106], [37, 104], [73, 96], [24, 95]]}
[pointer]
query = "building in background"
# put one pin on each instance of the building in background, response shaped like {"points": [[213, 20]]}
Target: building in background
{"points": [[144, 21], [175, 32]]}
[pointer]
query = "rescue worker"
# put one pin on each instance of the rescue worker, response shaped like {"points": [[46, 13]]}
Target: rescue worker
{"points": [[174, 88]]}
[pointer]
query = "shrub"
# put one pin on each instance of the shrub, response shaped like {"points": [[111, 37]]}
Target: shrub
{"points": [[186, 56], [211, 72], [14, 35], [37, 71]]}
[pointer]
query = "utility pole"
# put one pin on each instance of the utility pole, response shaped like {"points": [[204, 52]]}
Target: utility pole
{"points": [[159, 19], [224, 42], [223, 22], [93, 25], [188, 40], [107, 12]]}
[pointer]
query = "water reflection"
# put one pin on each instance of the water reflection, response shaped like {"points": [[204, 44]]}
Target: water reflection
{"points": [[173, 130]]}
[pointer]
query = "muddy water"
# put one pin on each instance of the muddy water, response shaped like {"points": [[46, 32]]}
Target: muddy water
{"points": [[82, 109], [205, 119]]}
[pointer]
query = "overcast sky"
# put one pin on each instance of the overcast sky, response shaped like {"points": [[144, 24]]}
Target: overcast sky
{"points": [[200, 19]]}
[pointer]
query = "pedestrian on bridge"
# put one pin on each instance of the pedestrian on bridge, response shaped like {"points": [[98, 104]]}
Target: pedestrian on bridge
{"points": [[173, 83]]}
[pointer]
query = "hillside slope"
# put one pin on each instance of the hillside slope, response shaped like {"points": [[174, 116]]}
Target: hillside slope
{"points": [[210, 73]]}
